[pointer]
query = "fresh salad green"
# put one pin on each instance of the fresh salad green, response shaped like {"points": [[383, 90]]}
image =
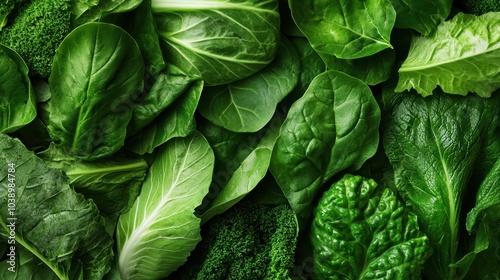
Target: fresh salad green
{"points": [[249, 139]]}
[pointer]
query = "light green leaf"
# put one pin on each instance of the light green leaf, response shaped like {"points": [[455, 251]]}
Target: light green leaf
{"points": [[343, 28], [423, 15], [332, 128], [460, 56], [248, 105], [97, 72], [156, 236], [61, 228], [219, 41], [17, 97]]}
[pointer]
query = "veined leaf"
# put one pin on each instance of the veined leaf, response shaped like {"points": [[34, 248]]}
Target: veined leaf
{"points": [[423, 15], [56, 226], [460, 56], [343, 28], [156, 236]]}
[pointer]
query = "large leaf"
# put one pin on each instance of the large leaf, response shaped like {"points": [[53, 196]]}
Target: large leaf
{"points": [[97, 72], [17, 97], [156, 236], [95, 10], [362, 231], [333, 127], [433, 157], [423, 16], [460, 56], [345, 29], [248, 105], [221, 41], [62, 229]]}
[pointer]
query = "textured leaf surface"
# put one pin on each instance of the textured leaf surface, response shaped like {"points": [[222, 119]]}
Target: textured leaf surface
{"points": [[345, 29], [333, 127], [362, 231], [61, 228], [433, 157], [220, 41], [460, 56], [97, 72], [249, 104], [156, 236]]}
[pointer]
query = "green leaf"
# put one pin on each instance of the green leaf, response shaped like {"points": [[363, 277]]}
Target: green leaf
{"points": [[460, 56], [156, 236], [219, 41], [246, 177], [90, 11], [97, 72], [17, 97], [112, 183], [345, 29], [59, 227], [362, 231], [423, 16], [177, 120], [433, 158], [372, 70], [487, 198], [332, 128], [248, 105]]}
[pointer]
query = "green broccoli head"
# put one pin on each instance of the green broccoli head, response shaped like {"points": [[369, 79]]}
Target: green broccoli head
{"points": [[249, 241], [6, 8], [36, 32], [478, 7]]}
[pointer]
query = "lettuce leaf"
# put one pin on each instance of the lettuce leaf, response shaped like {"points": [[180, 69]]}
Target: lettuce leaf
{"points": [[460, 56]]}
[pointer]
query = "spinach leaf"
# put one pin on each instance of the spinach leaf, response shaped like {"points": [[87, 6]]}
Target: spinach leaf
{"points": [[249, 104], [433, 157], [219, 41], [177, 120], [162, 218], [54, 224], [17, 97], [332, 128], [246, 177], [345, 29], [451, 56], [423, 16], [97, 71], [95, 10]]}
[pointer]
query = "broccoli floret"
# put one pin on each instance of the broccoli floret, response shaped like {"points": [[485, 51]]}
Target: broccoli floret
{"points": [[36, 32], [478, 7], [249, 241], [6, 8]]}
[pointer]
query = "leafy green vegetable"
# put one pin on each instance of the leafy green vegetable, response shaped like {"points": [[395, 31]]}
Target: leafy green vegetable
{"points": [[97, 70], [423, 16], [221, 41], [174, 121], [460, 56], [89, 11], [249, 104], [162, 219], [332, 128], [478, 7], [54, 225], [345, 29], [249, 241], [433, 157], [15, 91], [246, 177], [362, 231]]}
